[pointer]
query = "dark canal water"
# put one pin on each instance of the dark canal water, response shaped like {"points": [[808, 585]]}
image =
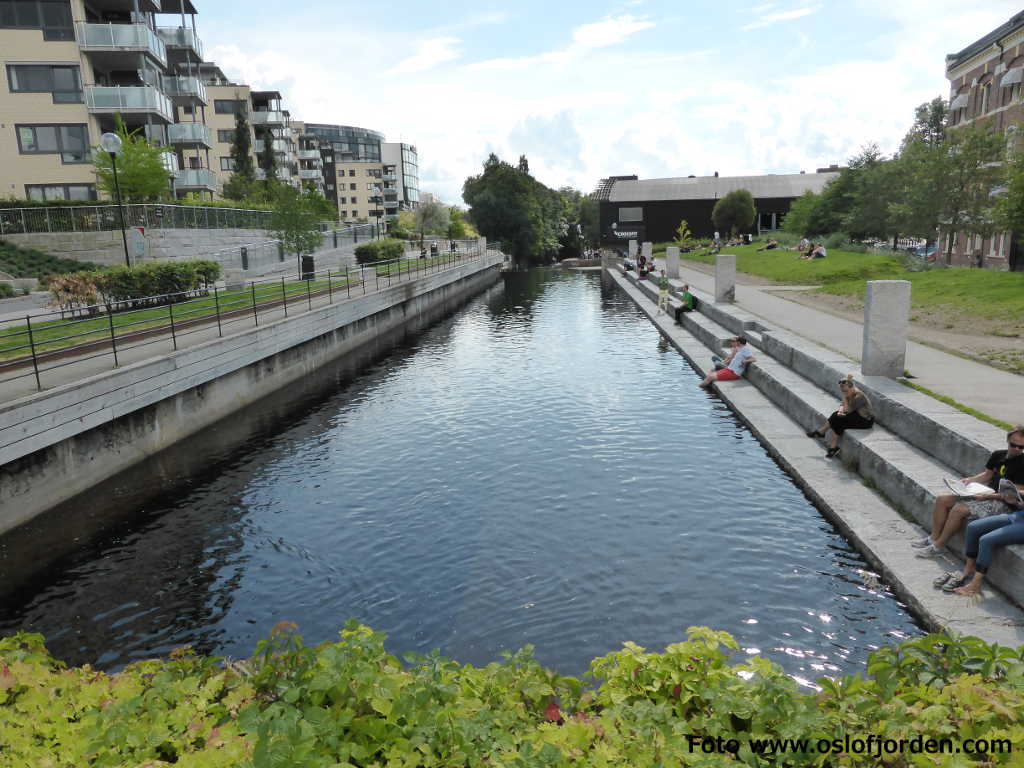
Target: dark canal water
{"points": [[538, 468]]}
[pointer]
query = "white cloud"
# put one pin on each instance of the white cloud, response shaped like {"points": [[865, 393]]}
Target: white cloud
{"points": [[429, 54], [585, 38], [769, 19]]}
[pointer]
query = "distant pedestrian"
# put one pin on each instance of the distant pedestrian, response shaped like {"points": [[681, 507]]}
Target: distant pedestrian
{"points": [[663, 286]]}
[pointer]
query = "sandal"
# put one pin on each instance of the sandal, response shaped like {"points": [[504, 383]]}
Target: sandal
{"points": [[958, 580], [940, 580]]}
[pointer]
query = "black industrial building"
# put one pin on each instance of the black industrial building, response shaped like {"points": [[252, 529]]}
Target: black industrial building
{"points": [[651, 210]]}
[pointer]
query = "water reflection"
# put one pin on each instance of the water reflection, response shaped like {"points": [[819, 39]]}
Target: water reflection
{"points": [[535, 469]]}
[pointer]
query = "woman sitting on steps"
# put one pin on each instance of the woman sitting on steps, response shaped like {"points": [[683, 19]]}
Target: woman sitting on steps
{"points": [[853, 413]]}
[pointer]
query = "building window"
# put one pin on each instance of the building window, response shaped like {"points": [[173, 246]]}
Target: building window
{"points": [[354, 201], [63, 83], [188, 110], [631, 214], [51, 16], [229, 106], [227, 163], [60, 191], [71, 142], [343, 200], [355, 214], [351, 173], [343, 214], [226, 135], [986, 89], [352, 187]]}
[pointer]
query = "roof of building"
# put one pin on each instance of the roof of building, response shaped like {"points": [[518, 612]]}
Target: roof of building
{"points": [[714, 187], [954, 59]]}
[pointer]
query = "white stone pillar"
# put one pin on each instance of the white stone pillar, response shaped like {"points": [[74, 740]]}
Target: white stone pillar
{"points": [[886, 316], [725, 278], [672, 261], [648, 251], [633, 249]]}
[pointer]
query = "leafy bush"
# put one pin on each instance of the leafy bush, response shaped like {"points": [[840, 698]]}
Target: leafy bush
{"points": [[28, 262], [74, 291], [6, 291], [208, 271], [352, 703], [142, 285], [837, 240], [379, 250]]}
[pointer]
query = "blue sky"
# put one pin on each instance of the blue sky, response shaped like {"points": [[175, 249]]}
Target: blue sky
{"points": [[587, 89]]}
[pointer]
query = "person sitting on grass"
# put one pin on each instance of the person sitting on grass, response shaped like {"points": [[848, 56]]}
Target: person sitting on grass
{"points": [[687, 303], [982, 539], [950, 511], [853, 413], [735, 364], [771, 245]]}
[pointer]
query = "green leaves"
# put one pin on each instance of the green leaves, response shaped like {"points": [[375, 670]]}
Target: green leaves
{"points": [[351, 703]]}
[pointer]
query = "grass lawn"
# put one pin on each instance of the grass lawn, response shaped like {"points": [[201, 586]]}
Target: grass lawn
{"points": [[961, 292], [58, 334]]}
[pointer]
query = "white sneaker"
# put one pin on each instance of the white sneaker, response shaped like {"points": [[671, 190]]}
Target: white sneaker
{"points": [[921, 543], [930, 551]]}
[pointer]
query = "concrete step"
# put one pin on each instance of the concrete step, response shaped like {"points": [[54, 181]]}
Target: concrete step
{"points": [[907, 475]]}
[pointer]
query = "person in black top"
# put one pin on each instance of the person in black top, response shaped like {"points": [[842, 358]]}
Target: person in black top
{"points": [[950, 512]]}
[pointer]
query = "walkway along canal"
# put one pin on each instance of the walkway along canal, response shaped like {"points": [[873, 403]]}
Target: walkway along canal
{"points": [[538, 468]]}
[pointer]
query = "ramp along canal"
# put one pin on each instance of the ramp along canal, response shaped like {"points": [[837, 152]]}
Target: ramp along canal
{"points": [[538, 468]]}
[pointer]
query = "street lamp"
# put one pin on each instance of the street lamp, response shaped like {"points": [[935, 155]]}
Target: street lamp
{"points": [[111, 143]]}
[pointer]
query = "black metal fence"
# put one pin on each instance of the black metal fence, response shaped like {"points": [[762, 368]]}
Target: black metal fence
{"points": [[104, 218], [42, 344]]}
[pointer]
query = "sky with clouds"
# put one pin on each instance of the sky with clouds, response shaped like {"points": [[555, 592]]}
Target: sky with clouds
{"points": [[658, 88]]}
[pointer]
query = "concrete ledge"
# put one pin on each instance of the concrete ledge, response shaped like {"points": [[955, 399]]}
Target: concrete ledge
{"points": [[908, 476]]}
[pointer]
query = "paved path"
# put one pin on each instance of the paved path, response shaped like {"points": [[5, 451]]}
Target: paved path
{"points": [[990, 390]]}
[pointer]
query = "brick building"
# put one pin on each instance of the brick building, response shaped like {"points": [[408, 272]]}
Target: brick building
{"points": [[985, 81]]}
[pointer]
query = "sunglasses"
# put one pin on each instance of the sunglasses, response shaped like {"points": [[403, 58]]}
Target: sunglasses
{"points": [[1015, 445]]}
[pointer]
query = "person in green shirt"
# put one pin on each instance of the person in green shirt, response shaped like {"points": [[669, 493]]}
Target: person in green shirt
{"points": [[663, 286], [689, 303]]}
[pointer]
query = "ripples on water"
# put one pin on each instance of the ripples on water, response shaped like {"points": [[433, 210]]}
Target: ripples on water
{"points": [[537, 468]]}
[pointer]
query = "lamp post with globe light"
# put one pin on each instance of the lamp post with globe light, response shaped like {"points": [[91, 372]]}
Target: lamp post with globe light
{"points": [[111, 144]]}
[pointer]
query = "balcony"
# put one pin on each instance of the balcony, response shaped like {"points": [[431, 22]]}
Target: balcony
{"points": [[310, 173], [267, 118], [389, 177], [280, 145], [189, 134], [129, 100], [281, 173], [186, 91], [309, 154], [195, 179], [393, 204], [111, 41], [181, 39], [170, 162]]}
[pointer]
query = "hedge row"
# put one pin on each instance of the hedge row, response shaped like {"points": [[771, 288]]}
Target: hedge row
{"points": [[141, 286], [350, 703], [379, 250]]}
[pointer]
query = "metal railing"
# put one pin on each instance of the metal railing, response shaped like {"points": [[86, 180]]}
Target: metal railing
{"points": [[102, 218], [267, 254], [50, 342], [128, 98], [134, 37]]}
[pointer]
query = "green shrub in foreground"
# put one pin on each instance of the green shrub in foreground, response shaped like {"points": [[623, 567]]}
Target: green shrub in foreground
{"points": [[7, 291], [351, 704]]}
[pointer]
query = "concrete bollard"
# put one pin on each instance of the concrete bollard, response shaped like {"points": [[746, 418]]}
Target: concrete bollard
{"points": [[672, 261], [633, 249], [648, 251], [725, 278], [886, 316]]}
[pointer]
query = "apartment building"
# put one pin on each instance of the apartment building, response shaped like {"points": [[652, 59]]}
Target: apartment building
{"points": [[72, 65], [985, 80]]}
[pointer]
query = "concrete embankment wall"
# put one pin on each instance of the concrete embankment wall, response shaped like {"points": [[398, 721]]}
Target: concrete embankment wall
{"points": [[62, 442], [885, 485]]}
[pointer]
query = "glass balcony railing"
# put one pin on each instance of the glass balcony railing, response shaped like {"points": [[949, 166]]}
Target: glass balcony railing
{"points": [[186, 90], [170, 162], [389, 177], [310, 173], [130, 38], [196, 178], [133, 99], [280, 145], [189, 133], [266, 118], [309, 154], [390, 203], [181, 38]]}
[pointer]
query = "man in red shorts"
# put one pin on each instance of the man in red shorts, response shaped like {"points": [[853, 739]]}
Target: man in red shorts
{"points": [[735, 364]]}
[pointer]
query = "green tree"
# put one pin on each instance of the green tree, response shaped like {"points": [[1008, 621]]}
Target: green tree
{"points": [[142, 174], [243, 178], [1009, 207], [295, 221], [872, 190], [432, 219], [683, 234], [735, 212], [324, 208], [524, 164], [456, 224], [798, 220], [929, 125], [590, 220], [268, 162]]}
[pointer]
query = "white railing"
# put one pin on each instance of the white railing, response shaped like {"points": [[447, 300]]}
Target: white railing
{"points": [[196, 177], [188, 133], [135, 37]]}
